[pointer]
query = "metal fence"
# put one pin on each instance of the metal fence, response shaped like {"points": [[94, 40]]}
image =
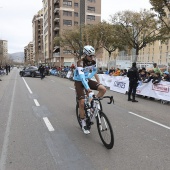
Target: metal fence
{"points": [[125, 62]]}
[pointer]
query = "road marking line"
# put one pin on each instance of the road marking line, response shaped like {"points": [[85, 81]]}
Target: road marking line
{"points": [[52, 80], [36, 102], [27, 86], [48, 124], [72, 88], [167, 127], [4, 152]]}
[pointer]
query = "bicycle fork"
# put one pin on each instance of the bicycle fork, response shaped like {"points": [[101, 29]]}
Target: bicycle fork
{"points": [[100, 123]]}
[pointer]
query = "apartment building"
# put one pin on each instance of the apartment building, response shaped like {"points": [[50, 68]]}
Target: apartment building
{"points": [[64, 15], [157, 52], [28, 54], [37, 29], [3, 51]]}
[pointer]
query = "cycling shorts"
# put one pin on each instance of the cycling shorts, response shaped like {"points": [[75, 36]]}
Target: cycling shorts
{"points": [[80, 88]]}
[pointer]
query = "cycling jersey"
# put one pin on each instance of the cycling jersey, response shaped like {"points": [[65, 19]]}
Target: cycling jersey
{"points": [[86, 72]]}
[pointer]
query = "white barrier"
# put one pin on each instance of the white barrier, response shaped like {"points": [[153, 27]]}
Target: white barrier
{"points": [[121, 84]]}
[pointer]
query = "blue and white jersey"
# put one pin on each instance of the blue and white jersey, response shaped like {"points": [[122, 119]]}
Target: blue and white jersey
{"points": [[85, 72]]}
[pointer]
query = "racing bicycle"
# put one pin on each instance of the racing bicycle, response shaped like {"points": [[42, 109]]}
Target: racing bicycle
{"points": [[94, 110]]}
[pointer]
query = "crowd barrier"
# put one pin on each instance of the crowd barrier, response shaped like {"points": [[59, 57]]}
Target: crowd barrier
{"points": [[2, 72], [121, 84]]}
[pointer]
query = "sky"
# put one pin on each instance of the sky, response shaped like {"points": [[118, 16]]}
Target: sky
{"points": [[16, 18]]}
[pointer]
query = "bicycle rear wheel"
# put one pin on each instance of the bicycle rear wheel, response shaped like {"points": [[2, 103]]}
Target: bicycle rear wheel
{"points": [[105, 130], [78, 114]]}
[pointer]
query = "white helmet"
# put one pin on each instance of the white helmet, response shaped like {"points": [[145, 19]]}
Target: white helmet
{"points": [[88, 50]]}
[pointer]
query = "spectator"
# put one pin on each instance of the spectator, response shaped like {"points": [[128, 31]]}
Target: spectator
{"points": [[100, 71], [157, 78], [124, 72], [66, 69], [41, 69], [133, 75], [111, 71], [147, 76], [166, 76], [151, 76], [6, 68], [9, 68], [156, 68], [106, 71], [142, 74], [47, 70], [72, 67], [117, 72]]}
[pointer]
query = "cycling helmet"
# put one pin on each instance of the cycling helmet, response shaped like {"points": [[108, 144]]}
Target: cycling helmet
{"points": [[88, 50]]}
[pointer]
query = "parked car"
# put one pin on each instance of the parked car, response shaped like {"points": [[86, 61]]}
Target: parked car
{"points": [[30, 71]]}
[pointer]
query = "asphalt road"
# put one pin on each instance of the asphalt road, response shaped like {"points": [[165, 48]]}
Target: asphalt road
{"points": [[39, 130]]}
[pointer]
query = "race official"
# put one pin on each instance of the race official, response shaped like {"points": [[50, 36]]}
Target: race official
{"points": [[133, 76]]}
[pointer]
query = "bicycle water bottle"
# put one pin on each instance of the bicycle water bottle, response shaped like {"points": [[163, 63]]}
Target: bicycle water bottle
{"points": [[87, 105], [90, 100]]}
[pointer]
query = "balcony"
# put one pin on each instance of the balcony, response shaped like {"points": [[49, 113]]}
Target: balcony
{"points": [[56, 27], [56, 17], [56, 54], [56, 9], [56, 1]]}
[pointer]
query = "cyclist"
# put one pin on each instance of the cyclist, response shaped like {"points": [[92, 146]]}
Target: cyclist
{"points": [[85, 70]]}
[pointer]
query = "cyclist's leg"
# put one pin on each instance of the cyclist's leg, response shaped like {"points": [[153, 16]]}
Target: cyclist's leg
{"points": [[96, 86], [80, 94], [102, 90]]}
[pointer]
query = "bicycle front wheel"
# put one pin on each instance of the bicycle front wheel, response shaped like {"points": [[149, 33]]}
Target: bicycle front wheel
{"points": [[105, 130]]}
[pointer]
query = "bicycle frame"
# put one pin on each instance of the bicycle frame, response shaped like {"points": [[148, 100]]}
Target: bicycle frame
{"points": [[96, 111]]}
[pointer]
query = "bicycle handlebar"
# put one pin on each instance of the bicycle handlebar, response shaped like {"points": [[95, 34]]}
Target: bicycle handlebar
{"points": [[101, 98]]}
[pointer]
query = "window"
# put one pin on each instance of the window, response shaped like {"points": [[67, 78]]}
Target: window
{"points": [[76, 4], [75, 23], [67, 3], [67, 51], [91, 17], [67, 13], [76, 14], [67, 22], [92, 9], [91, 0]]}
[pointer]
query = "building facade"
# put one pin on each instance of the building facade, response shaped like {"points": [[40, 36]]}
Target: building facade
{"points": [[3, 51], [28, 54], [37, 29], [64, 15]]}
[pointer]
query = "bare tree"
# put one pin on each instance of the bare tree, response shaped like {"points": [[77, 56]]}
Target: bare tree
{"points": [[137, 29], [162, 7]]}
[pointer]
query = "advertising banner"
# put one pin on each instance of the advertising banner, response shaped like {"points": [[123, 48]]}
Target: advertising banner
{"points": [[121, 84]]}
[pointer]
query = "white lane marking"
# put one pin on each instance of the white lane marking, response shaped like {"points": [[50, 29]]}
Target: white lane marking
{"points": [[27, 86], [72, 88], [48, 124], [167, 127], [7, 132], [36, 102], [52, 80]]}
